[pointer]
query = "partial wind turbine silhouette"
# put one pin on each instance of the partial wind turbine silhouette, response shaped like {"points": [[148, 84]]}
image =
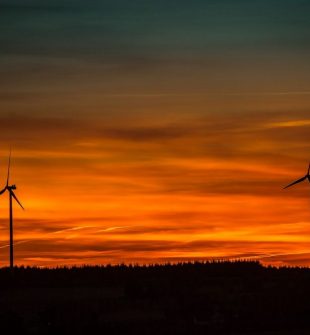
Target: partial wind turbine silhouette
{"points": [[12, 195], [307, 176]]}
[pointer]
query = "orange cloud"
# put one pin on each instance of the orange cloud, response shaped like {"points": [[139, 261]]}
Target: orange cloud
{"points": [[159, 185]]}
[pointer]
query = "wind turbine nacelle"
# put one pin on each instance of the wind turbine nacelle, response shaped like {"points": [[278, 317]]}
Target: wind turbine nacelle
{"points": [[13, 187]]}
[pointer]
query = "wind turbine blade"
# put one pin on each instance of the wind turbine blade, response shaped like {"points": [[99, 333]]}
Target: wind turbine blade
{"points": [[9, 165], [296, 182], [15, 197], [2, 191]]}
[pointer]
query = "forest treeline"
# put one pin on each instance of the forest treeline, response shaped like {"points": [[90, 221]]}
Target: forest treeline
{"points": [[218, 297]]}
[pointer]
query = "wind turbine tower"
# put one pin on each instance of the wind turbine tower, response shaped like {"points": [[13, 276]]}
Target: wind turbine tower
{"points": [[12, 195]]}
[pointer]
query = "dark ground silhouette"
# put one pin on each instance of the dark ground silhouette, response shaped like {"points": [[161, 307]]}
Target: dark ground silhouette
{"points": [[190, 298]]}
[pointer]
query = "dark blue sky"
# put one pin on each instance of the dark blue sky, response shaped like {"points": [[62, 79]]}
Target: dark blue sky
{"points": [[94, 28], [154, 47]]}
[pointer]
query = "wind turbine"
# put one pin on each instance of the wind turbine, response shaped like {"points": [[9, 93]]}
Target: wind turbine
{"points": [[307, 176], [12, 195]]}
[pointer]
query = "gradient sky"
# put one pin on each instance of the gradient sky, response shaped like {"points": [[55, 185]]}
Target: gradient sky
{"points": [[153, 131]]}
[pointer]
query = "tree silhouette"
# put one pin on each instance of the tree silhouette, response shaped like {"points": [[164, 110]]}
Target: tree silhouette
{"points": [[186, 298]]}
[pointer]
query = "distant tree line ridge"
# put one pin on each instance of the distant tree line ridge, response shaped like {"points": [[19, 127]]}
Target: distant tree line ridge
{"points": [[216, 297]]}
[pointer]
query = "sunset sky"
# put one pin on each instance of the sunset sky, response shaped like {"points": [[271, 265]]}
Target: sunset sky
{"points": [[151, 131]]}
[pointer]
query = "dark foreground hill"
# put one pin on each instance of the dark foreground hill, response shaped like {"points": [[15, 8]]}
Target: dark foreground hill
{"points": [[190, 298]]}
